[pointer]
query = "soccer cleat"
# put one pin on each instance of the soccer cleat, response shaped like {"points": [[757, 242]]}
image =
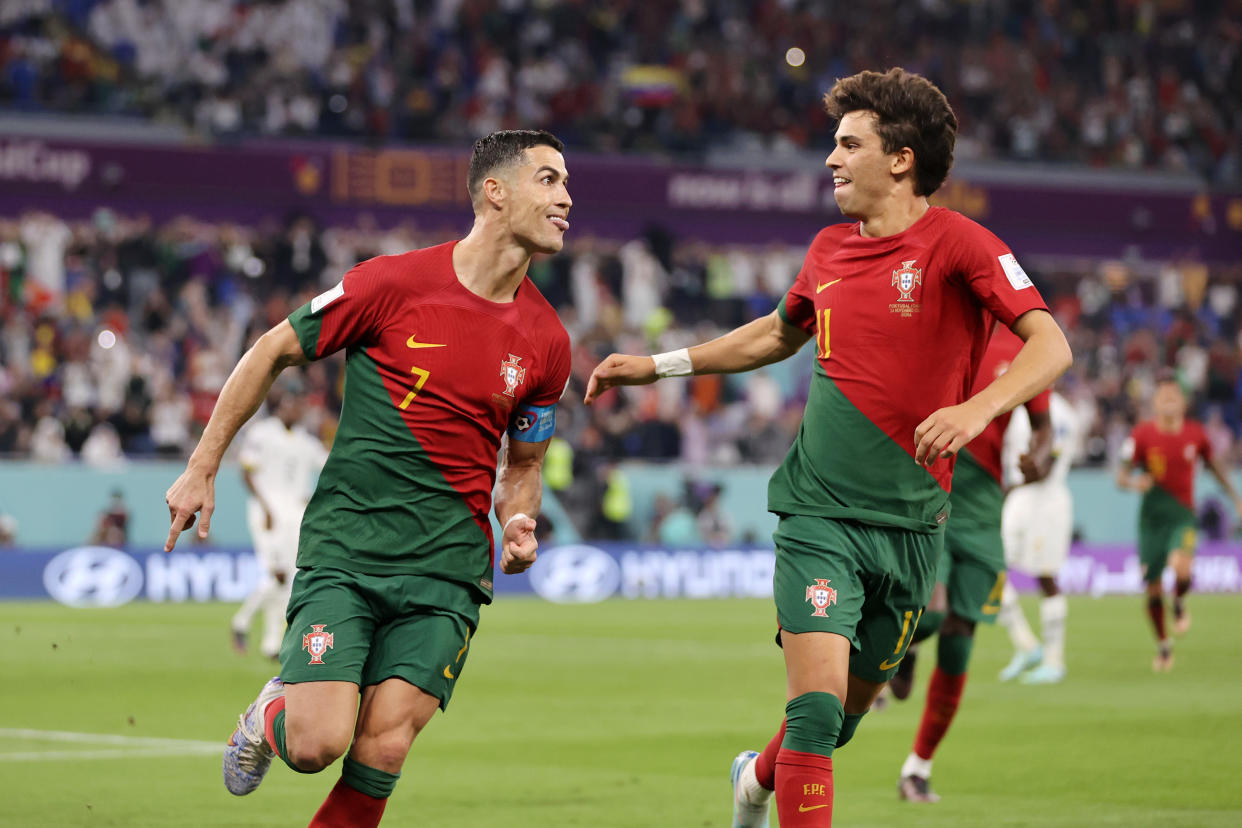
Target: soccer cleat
{"points": [[1021, 662], [1181, 622], [248, 755], [902, 681], [745, 813], [1163, 662], [1044, 674], [916, 789], [239, 642]]}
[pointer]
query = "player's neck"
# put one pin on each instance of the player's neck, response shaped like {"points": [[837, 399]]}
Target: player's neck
{"points": [[1170, 425], [897, 214], [489, 264]]}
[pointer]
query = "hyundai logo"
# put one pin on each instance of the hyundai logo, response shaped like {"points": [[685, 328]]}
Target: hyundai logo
{"points": [[93, 576], [575, 574]]}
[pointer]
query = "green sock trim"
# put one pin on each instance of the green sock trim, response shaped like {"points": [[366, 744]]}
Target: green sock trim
{"points": [[848, 726], [813, 722], [373, 782], [929, 625], [278, 733], [953, 653]]}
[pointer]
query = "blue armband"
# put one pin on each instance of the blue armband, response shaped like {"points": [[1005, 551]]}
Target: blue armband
{"points": [[533, 423]]}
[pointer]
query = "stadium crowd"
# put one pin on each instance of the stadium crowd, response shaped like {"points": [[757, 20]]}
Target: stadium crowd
{"points": [[1108, 83]]}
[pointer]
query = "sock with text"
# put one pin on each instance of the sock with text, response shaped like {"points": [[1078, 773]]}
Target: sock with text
{"points": [[804, 762]]}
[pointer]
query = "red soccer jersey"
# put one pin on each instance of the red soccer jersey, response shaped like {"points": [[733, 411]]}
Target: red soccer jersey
{"points": [[1171, 457], [986, 448], [901, 324], [434, 377]]}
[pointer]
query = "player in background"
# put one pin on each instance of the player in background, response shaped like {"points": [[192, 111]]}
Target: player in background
{"points": [[1037, 525], [900, 304], [449, 349], [280, 462], [1160, 460], [971, 571]]}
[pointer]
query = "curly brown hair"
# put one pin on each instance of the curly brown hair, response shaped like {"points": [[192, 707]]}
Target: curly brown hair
{"points": [[910, 112]]}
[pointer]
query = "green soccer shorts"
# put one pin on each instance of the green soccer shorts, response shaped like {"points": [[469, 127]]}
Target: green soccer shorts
{"points": [[349, 626], [1160, 537], [867, 583], [972, 568]]}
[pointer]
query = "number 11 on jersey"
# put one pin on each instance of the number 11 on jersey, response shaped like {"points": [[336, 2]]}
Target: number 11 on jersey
{"points": [[824, 346]]}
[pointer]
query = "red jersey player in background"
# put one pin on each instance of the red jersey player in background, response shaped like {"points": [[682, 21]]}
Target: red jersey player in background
{"points": [[1160, 460], [900, 305], [971, 573], [450, 348]]}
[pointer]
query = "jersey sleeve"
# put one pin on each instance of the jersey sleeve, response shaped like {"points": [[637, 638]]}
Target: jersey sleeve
{"points": [[992, 273], [797, 306], [1040, 403], [556, 375], [350, 313]]}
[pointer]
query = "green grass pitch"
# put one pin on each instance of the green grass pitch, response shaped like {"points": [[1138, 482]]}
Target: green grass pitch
{"points": [[620, 714]]}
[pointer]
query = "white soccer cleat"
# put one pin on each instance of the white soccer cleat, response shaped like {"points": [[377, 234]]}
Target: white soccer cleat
{"points": [[746, 814], [1044, 674], [248, 755], [1021, 662]]}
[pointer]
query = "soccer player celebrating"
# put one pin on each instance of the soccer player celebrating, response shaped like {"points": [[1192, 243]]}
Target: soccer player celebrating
{"points": [[900, 305], [280, 461], [971, 570], [1037, 524], [1164, 452], [449, 349]]}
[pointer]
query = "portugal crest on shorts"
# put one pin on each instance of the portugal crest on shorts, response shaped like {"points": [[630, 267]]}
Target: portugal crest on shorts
{"points": [[317, 642], [906, 278], [821, 597], [512, 373]]}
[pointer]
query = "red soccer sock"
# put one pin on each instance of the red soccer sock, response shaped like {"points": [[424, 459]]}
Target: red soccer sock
{"points": [[765, 762], [1155, 611], [348, 808], [803, 789], [944, 694], [269, 726]]}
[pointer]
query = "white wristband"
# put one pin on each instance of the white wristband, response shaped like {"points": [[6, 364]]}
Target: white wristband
{"points": [[673, 363], [513, 518]]}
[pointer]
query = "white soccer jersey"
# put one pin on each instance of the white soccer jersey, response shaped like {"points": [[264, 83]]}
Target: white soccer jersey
{"points": [[1066, 441], [284, 463], [1037, 522]]}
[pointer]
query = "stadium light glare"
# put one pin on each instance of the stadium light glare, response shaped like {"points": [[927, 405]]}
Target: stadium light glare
{"points": [[795, 57], [106, 339]]}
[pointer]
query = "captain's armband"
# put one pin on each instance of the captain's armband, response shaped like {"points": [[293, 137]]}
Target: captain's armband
{"points": [[533, 423]]}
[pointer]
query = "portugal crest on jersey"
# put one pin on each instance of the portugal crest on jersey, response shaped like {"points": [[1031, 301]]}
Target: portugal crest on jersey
{"points": [[317, 642], [821, 597], [906, 278], [512, 373]]}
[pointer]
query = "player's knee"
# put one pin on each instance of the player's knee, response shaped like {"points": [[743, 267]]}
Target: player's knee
{"points": [[386, 750], [955, 624], [315, 753]]}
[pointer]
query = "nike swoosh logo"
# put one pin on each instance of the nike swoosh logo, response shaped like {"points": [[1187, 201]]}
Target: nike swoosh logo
{"points": [[803, 808], [884, 665], [448, 672], [820, 287], [414, 343]]}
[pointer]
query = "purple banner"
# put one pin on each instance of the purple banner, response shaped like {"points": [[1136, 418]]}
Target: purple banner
{"points": [[615, 197], [1110, 569]]}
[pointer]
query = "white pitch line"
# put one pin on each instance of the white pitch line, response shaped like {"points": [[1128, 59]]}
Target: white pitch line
{"points": [[127, 746]]}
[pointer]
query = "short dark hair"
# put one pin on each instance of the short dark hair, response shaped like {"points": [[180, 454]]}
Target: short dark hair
{"points": [[501, 149], [910, 112]]}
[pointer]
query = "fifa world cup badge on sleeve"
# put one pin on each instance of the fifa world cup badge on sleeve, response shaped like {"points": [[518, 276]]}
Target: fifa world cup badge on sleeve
{"points": [[317, 642], [821, 597]]}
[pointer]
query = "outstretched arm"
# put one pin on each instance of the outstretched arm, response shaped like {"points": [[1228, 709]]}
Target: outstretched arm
{"points": [[1044, 356], [247, 386], [519, 491], [760, 342]]}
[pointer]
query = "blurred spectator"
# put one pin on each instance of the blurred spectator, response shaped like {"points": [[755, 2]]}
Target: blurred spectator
{"points": [[1113, 83], [112, 527]]}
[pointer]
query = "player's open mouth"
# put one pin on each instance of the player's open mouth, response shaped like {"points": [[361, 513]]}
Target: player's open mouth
{"points": [[838, 181], [561, 224]]}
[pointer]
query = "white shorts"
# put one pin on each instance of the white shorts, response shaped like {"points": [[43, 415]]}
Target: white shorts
{"points": [[1037, 523], [276, 548]]}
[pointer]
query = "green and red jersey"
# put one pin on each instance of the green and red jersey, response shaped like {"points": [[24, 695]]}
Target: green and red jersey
{"points": [[978, 487], [434, 376], [901, 324], [1171, 458]]}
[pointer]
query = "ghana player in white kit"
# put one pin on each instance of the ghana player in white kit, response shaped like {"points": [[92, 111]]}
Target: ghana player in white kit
{"points": [[1036, 525], [280, 463]]}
